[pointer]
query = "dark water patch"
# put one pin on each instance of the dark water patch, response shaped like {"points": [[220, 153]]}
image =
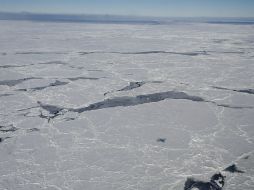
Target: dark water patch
{"points": [[47, 117], [4, 95], [27, 114], [8, 128], [227, 52], [247, 91], [12, 66], [127, 101], [53, 112], [132, 85], [233, 52], [141, 99], [53, 62], [196, 53], [155, 82], [162, 140], [233, 169], [69, 119], [142, 52], [3, 53], [32, 130], [246, 157], [39, 53], [22, 90], [219, 41], [234, 107], [88, 52], [83, 78], [56, 83], [123, 102], [220, 88], [75, 67], [18, 53], [15, 82], [216, 182], [96, 70], [50, 108], [25, 109], [4, 138], [237, 43], [165, 52]]}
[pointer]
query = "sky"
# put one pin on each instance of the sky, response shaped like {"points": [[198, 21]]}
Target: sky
{"points": [[164, 8]]}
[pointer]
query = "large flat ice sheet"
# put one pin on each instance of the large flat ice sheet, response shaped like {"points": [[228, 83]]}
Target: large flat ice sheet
{"points": [[125, 107]]}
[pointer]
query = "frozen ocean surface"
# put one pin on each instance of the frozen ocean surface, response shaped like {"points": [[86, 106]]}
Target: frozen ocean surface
{"points": [[125, 106]]}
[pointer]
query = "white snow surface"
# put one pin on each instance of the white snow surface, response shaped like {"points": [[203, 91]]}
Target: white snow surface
{"points": [[146, 146]]}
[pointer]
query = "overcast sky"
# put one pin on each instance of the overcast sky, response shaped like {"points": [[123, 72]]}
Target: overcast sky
{"points": [[167, 8]]}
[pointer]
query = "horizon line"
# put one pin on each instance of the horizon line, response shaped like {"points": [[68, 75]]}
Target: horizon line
{"points": [[123, 15], [120, 19]]}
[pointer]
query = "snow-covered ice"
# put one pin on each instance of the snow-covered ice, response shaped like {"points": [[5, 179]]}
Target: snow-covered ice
{"points": [[125, 107]]}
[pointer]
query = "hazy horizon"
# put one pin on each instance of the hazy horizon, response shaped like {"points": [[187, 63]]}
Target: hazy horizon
{"points": [[148, 8], [124, 15], [121, 19]]}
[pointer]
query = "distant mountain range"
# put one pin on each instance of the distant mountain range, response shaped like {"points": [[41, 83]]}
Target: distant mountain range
{"points": [[116, 18]]}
